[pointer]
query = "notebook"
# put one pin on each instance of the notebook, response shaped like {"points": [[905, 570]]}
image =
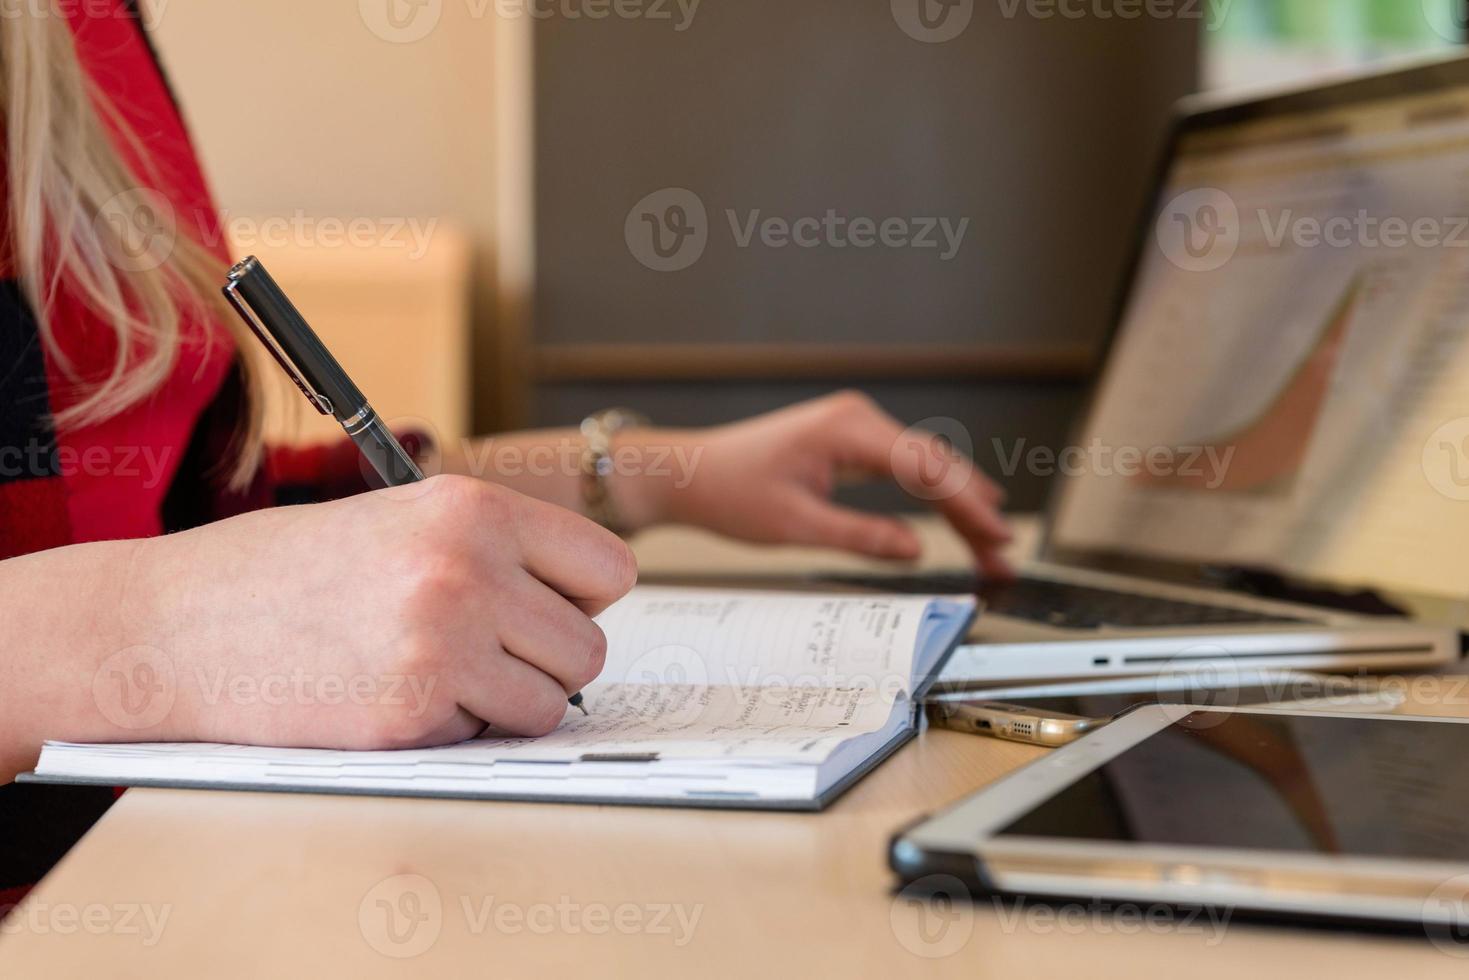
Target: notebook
{"points": [[756, 700]]}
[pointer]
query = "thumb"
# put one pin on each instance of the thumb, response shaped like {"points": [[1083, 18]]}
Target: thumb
{"points": [[827, 525]]}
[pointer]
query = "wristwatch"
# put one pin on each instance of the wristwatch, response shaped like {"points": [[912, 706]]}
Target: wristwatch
{"points": [[597, 464]]}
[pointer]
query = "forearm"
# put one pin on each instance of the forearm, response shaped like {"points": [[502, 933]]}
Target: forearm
{"points": [[647, 467], [71, 616]]}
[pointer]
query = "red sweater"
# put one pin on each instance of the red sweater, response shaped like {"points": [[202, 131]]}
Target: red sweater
{"points": [[152, 469]]}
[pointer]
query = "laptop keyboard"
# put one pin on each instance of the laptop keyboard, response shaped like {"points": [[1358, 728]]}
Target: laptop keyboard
{"points": [[1068, 606]]}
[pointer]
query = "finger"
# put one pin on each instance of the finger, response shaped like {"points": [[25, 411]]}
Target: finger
{"points": [[818, 522], [955, 487], [552, 635], [589, 565], [510, 695], [460, 728], [994, 563]]}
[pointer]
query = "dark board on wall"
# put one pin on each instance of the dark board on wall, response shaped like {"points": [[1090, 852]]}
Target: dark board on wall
{"points": [[1020, 148]]}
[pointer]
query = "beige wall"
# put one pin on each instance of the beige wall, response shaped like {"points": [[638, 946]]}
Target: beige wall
{"points": [[298, 107], [297, 104]]}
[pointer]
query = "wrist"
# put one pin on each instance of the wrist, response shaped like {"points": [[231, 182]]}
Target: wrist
{"points": [[642, 476], [146, 688]]}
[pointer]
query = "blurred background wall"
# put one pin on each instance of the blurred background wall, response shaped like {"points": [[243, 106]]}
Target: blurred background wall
{"points": [[525, 162]]}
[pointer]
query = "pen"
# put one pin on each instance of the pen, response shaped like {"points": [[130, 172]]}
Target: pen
{"points": [[274, 319]]}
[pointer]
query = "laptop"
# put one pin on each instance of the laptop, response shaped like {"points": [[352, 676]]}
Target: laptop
{"points": [[1274, 468]]}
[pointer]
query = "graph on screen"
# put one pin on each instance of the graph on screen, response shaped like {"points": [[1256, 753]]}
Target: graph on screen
{"points": [[1266, 454]]}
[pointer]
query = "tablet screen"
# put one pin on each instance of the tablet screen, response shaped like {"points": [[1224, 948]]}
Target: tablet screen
{"points": [[1325, 784]]}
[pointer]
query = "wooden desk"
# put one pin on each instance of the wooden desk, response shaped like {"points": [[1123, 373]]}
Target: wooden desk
{"points": [[253, 885]]}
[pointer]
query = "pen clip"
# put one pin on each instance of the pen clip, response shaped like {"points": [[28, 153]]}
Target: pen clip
{"points": [[231, 292]]}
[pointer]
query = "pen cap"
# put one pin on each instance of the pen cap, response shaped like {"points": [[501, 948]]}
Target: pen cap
{"points": [[275, 311]]}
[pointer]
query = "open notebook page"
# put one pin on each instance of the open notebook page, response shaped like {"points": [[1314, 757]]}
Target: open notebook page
{"points": [[768, 639]]}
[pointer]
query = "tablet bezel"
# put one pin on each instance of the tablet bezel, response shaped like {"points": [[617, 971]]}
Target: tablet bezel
{"points": [[962, 842]]}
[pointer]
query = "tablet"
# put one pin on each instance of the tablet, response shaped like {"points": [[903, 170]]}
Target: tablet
{"points": [[1105, 699], [1263, 811]]}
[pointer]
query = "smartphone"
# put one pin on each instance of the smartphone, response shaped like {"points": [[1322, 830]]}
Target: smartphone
{"points": [[1058, 714], [1013, 722]]}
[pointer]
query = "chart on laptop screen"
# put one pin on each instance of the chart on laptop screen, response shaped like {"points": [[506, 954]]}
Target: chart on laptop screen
{"points": [[1290, 383]]}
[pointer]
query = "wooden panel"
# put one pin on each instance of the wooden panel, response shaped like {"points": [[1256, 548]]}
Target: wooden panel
{"points": [[398, 322], [821, 362]]}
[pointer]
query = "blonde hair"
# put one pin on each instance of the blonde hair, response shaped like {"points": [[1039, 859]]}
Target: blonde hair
{"points": [[68, 183]]}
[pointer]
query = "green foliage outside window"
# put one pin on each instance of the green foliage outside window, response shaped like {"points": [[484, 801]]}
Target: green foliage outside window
{"points": [[1352, 24]]}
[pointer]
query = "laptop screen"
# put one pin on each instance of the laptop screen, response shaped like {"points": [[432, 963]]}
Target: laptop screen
{"points": [[1289, 384]]}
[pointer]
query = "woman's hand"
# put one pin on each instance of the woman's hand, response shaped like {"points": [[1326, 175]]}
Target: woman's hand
{"points": [[407, 617], [770, 479]]}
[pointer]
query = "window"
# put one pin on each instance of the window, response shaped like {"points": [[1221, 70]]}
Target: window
{"points": [[1272, 41]]}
